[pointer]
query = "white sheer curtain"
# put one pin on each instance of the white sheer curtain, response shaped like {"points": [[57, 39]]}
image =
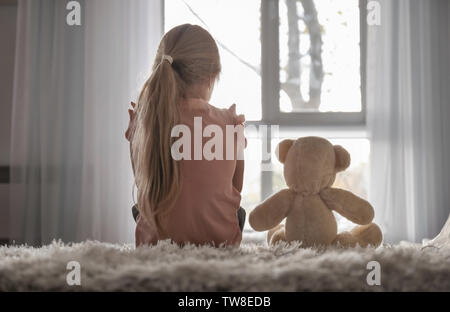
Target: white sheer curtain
{"points": [[408, 98], [71, 177]]}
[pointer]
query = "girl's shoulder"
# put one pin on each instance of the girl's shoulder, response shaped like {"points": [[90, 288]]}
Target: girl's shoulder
{"points": [[202, 107], [229, 115]]}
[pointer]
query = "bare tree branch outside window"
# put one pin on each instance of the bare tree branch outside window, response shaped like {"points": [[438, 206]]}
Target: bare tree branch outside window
{"points": [[294, 67]]}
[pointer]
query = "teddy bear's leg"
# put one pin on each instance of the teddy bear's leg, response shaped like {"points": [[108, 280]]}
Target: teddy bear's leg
{"points": [[345, 239], [272, 231], [369, 234], [363, 235], [276, 234]]}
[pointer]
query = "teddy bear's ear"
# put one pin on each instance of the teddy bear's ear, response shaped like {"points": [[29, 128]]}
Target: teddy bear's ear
{"points": [[342, 158], [282, 149]]}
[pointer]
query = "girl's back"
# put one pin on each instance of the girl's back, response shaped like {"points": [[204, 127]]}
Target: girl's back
{"points": [[206, 208]]}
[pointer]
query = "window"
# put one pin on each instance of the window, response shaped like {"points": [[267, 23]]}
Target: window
{"points": [[311, 48], [237, 33], [319, 49], [292, 63]]}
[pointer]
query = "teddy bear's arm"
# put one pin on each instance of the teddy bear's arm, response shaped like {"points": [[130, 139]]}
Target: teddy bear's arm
{"points": [[348, 205], [272, 211]]}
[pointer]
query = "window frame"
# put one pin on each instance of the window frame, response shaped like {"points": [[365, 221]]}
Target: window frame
{"points": [[270, 83], [340, 123]]}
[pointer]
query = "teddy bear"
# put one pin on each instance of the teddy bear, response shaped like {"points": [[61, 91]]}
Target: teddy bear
{"points": [[310, 167]]}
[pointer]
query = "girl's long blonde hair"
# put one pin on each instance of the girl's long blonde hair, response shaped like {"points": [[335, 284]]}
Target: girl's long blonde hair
{"points": [[195, 60]]}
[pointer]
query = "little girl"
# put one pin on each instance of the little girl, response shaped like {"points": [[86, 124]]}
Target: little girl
{"points": [[187, 201]]}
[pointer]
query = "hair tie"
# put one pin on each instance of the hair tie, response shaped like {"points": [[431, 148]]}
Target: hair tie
{"points": [[168, 58]]}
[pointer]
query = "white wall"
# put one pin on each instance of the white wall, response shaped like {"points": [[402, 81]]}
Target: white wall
{"points": [[8, 11]]}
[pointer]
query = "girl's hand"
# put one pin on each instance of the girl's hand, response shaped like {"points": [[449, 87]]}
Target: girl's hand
{"points": [[238, 119], [131, 124]]}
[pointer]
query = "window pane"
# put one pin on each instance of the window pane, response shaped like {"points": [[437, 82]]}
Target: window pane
{"points": [[319, 56], [235, 25], [251, 192]]}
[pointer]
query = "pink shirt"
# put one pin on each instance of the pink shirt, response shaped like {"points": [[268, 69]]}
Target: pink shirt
{"points": [[206, 209]]}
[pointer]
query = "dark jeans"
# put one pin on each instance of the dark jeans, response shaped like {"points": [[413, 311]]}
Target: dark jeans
{"points": [[240, 215]]}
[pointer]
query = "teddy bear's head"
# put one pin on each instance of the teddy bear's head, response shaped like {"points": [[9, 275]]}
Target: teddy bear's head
{"points": [[311, 163]]}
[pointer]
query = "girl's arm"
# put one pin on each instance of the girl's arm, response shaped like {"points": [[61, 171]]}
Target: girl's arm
{"points": [[238, 178], [130, 131]]}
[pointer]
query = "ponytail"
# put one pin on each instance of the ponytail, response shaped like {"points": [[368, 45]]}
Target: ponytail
{"points": [[157, 176]]}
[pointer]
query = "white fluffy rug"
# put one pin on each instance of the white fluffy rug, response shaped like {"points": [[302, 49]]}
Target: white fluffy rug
{"points": [[252, 267]]}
